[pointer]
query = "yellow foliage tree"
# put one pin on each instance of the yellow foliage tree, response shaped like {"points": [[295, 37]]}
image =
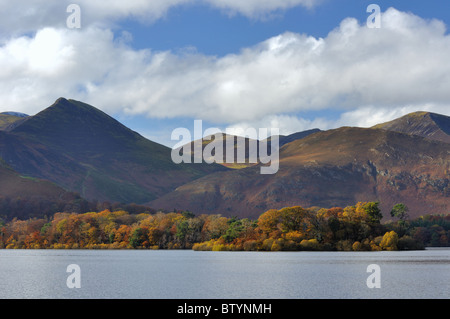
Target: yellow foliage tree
{"points": [[356, 246], [389, 241], [268, 221]]}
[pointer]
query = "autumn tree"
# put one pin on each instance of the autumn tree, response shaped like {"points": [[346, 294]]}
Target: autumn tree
{"points": [[355, 228], [373, 211], [214, 227], [268, 221], [389, 241], [294, 219]]}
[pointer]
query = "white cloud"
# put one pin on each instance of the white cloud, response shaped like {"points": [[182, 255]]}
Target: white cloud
{"points": [[369, 116], [287, 124], [31, 15], [369, 74], [259, 8]]}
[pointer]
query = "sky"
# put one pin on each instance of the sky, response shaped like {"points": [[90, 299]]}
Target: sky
{"points": [[288, 64]]}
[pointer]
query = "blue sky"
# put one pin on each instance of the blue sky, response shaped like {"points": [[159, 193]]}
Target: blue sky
{"points": [[291, 64], [212, 32]]}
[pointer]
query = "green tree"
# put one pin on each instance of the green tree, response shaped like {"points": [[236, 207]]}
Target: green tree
{"points": [[373, 211], [182, 230], [234, 230], [187, 214], [400, 211], [138, 236]]}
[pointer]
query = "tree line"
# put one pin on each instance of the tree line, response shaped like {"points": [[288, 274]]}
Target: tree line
{"points": [[38, 206], [353, 228]]}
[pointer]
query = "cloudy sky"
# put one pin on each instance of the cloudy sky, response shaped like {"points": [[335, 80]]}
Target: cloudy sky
{"points": [[291, 64]]}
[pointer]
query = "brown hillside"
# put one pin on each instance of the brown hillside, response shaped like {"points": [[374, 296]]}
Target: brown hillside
{"points": [[332, 168]]}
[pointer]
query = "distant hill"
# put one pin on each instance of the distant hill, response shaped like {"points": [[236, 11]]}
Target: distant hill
{"points": [[241, 145], [330, 168], [82, 149], [430, 125], [284, 139], [10, 119], [16, 114]]}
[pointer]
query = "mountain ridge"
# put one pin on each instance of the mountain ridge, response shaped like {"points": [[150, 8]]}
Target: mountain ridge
{"points": [[427, 124], [242, 147]]}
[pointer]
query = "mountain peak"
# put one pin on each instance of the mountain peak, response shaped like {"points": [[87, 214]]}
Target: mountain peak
{"points": [[69, 105], [61, 100], [83, 149], [77, 126], [426, 124]]}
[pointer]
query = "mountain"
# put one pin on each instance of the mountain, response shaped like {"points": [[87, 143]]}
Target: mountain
{"points": [[84, 150], [330, 168], [16, 114], [430, 125], [72, 147], [242, 147], [11, 119], [249, 148]]}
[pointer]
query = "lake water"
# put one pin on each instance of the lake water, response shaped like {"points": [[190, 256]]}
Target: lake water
{"points": [[185, 274]]}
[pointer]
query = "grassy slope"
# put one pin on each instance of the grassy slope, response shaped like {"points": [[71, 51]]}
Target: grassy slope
{"points": [[7, 120], [25, 197]]}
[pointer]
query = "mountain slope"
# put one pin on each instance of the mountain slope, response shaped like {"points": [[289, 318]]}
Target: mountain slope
{"points": [[331, 168], [25, 197], [241, 147], [430, 125], [244, 147], [284, 139], [82, 149], [11, 119]]}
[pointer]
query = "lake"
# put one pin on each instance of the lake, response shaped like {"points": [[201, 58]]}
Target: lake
{"points": [[186, 274]]}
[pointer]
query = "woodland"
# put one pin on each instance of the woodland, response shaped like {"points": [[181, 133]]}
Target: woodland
{"points": [[352, 228]]}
